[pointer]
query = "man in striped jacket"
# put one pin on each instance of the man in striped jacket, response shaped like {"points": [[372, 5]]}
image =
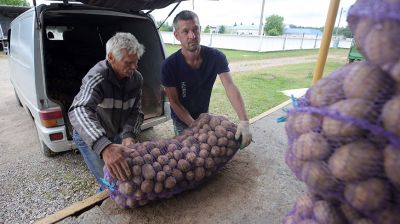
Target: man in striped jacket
{"points": [[106, 113]]}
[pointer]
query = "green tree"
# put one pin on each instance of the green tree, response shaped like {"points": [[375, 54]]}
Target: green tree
{"points": [[14, 2], [221, 29], [235, 24], [274, 25], [207, 29]]}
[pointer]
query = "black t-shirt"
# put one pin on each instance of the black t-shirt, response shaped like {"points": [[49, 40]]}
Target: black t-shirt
{"points": [[194, 86]]}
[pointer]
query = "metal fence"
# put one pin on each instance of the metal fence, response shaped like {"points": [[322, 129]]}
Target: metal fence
{"points": [[261, 43]]}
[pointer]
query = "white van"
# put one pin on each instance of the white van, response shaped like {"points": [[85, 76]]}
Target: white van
{"points": [[52, 48]]}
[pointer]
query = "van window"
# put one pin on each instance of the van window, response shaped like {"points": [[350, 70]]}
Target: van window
{"points": [[56, 32]]}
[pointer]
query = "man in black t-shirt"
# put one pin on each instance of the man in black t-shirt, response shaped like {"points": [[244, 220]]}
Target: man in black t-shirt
{"points": [[189, 74]]}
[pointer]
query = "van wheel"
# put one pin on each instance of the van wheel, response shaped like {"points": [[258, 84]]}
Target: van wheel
{"points": [[46, 150], [17, 98]]}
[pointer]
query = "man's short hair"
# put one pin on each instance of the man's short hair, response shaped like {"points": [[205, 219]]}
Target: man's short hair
{"points": [[185, 15], [124, 41]]}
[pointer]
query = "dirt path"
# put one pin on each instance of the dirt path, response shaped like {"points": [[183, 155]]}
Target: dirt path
{"points": [[244, 66]]}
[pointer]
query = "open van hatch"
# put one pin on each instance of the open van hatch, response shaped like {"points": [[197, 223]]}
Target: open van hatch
{"points": [[74, 38]]}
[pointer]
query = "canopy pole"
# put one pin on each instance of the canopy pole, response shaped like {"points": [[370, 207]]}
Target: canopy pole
{"points": [[326, 39]]}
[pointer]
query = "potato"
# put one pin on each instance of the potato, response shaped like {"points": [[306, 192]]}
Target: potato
{"points": [[203, 138], [217, 161], [311, 146], [214, 122], [209, 163], [172, 163], [149, 159], [324, 212], [189, 176], [368, 195], [155, 152], [305, 122], [382, 46], [199, 161], [157, 166], [327, 90], [158, 187], [365, 81], [220, 131], [295, 164], [126, 188], [226, 124], [183, 165], [317, 176], [199, 173], [205, 146], [177, 174], [185, 150], [391, 163], [291, 219], [138, 194], [304, 206], [147, 186], [355, 161], [391, 115], [203, 154], [138, 161], [363, 221], [178, 155], [190, 157], [148, 172], [120, 200], [222, 151], [163, 160], [167, 169], [230, 152], [352, 108], [308, 221], [161, 175], [131, 203], [230, 135], [172, 147], [212, 140], [137, 180], [223, 141], [170, 182], [215, 150], [194, 149], [136, 170]]}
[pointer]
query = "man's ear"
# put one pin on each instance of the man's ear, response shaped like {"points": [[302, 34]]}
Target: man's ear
{"points": [[176, 35], [110, 57]]}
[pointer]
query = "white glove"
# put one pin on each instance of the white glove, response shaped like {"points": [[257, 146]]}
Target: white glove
{"points": [[243, 132]]}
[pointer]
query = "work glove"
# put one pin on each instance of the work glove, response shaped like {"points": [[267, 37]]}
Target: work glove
{"points": [[243, 133]]}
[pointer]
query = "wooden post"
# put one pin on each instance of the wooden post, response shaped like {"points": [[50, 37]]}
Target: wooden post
{"points": [[326, 39]]}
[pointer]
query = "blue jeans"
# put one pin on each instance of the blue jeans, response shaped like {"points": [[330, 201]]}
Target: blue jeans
{"points": [[179, 127], [92, 160]]}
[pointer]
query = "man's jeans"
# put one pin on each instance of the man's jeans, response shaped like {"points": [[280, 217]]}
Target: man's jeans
{"points": [[92, 160], [179, 127]]}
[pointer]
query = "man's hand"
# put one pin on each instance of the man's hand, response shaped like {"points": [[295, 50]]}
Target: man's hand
{"points": [[128, 141], [115, 162], [243, 132]]}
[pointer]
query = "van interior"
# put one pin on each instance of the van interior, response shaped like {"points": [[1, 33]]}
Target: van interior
{"points": [[74, 41]]}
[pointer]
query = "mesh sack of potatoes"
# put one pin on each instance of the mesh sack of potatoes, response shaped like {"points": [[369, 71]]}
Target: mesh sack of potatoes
{"points": [[162, 168], [311, 208], [344, 140], [376, 28]]}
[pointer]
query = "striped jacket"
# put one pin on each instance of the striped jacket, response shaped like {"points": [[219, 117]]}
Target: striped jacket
{"points": [[106, 106]]}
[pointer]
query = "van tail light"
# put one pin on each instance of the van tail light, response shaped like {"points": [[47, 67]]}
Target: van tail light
{"points": [[51, 117]]}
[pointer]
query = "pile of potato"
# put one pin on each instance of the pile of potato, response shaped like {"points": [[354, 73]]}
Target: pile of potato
{"points": [[162, 168], [344, 137]]}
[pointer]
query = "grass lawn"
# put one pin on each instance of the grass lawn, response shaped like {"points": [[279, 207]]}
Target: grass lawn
{"points": [[235, 55], [261, 89]]}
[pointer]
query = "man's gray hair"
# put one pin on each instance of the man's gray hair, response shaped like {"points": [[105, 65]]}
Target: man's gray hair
{"points": [[124, 41], [185, 15]]}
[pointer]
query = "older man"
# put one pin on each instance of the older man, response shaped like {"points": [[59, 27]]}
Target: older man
{"points": [[106, 113]]}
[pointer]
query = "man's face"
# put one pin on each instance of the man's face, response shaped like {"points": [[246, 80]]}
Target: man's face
{"points": [[126, 66], [188, 33]]}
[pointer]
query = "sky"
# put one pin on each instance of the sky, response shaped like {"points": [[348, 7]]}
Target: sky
{"points": [[226, 12], [308, 13]]}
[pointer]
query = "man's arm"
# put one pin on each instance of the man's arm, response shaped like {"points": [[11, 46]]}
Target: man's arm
{"points": [[234, 96], [131, 128], [176, 105]]}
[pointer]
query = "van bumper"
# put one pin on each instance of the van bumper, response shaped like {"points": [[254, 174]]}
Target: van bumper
{"points": [[55, 146]]}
